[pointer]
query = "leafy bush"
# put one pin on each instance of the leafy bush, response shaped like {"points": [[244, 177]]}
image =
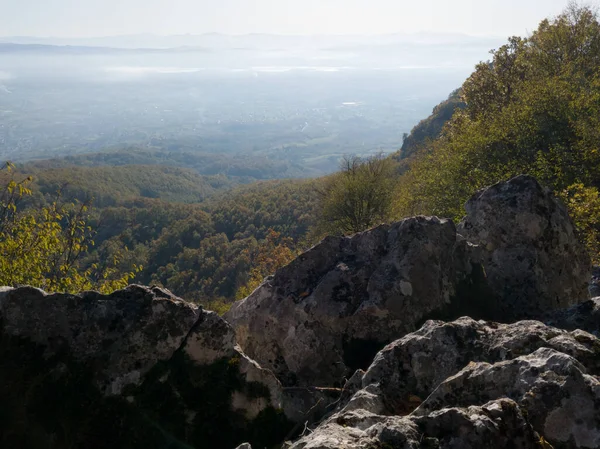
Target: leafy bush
{"points": [[43, 247]]}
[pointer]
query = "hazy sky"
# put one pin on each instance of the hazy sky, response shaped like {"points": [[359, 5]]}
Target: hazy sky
{"points": [[87, 18]]}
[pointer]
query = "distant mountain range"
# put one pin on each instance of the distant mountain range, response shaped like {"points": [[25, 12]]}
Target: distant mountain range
{"points": [[251, 41], [87, 50]]}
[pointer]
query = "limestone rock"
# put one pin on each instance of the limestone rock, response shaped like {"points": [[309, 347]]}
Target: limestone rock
{"points": [[137, 368], [482, 377], [561, 400], [409, 369], [122, 335], [329, 311], [532, 258], [498, 424]]}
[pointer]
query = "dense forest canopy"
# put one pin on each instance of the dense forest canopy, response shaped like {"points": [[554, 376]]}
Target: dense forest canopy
{"points": [[205, 251]]}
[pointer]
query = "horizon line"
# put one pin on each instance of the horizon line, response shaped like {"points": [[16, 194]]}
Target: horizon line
{"points": [[216, 33]]}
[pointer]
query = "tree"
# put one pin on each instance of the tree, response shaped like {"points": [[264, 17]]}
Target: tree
{"points": [[535, 108], [43, 247], [358, 197], [273, 253]]}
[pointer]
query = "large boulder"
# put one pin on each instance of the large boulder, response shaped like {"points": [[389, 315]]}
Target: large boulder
{"points": [[329, 311], [473, 384], [406, 371], [326, 314], [137, 368], [532, 258]]}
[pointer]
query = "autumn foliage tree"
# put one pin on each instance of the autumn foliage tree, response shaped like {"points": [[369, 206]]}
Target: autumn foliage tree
{"points": [[272, 253]]}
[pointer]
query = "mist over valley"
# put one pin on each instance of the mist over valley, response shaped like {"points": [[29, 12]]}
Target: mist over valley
{"points": [[294, 103]]}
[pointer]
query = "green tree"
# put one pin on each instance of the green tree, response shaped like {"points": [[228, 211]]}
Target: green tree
{"points": [[358, 197], [43, 247], [535, 108]]}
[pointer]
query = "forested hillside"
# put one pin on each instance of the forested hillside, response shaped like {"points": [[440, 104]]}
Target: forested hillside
{"points": [[535, 108], [429, 129], [193, 234], [241, 167], [111, 186]]}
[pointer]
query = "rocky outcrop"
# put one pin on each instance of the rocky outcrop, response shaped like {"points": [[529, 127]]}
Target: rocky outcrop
{"points": [[532, 258], [473, 384], [409, 369], [137, 368], [560, 398], [495, 425], [141, 368], [326, 314], [329, 311]]}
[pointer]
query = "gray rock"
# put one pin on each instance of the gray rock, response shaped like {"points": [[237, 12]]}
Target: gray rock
{"points": [[124, 334], [585, 316], [498, 424], [443, 370], [308, 404], [244, 446], [139, 367], [329, 311], [561, 400], [405, 372], [594, 286], [532, 258]]}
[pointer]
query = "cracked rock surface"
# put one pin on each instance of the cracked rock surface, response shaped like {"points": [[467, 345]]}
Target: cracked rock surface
{"points": [[326, 314], [473, 384]]}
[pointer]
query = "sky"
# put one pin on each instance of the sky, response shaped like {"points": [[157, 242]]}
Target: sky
{"points": [[92, 18]]}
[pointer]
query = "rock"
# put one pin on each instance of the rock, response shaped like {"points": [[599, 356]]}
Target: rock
{"points": [[541, 379], [123, 335], [561, 400], [409, 369], [137, 368], [244, 446], [532, 258], [594, 286], [585, 316], [308, 404], [498, 424], [329, 311]]}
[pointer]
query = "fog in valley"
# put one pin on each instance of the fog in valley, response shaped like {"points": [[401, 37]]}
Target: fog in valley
{"points": [[290, 106]]}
